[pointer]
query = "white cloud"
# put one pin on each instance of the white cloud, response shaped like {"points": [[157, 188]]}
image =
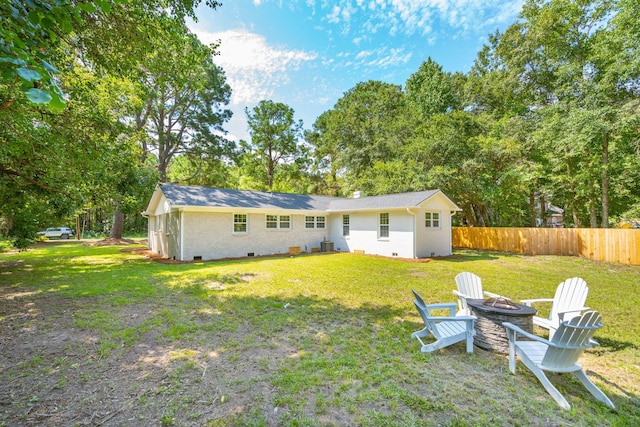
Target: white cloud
{"points": [[334, 16], [364, 54], [421, 16], [386, 58], [254, 68]]}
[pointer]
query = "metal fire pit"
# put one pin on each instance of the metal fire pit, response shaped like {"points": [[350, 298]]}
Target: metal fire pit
{"points": [[490, 334]]}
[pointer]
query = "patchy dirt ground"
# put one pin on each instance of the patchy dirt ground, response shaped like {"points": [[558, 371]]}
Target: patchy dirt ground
{"points": [[54, 373], [57, 371]]}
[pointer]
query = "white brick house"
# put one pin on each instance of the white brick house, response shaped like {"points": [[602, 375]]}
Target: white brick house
{"points": [[191, 223]]}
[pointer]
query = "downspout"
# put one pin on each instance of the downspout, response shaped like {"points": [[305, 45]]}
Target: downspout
{"points": [[452, 213], [181, 221], [415, 233]]}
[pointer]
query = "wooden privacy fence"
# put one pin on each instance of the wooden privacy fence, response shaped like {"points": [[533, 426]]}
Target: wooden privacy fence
{"points": [[599, 244]]}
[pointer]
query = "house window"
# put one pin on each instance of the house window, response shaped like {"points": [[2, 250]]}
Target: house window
{"points": [[272, 221], [314, 222], [309, 222], [240, 223], [275, 222], [345, 225], [432, 219], [384, 225]]}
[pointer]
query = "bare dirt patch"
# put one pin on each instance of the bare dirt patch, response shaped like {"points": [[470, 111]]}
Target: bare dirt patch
{"points": [[115, 242]]}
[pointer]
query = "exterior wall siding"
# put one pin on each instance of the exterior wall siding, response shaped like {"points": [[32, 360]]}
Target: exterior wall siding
{"points": [[210, 236], [364, 234], [173, 235], [433, 242]]}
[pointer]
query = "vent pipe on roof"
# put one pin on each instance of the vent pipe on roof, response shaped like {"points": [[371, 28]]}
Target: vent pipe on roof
{"points": [[358, 194]]}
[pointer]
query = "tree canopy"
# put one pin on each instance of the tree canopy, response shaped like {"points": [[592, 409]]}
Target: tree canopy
{"points": [[100, 100]]}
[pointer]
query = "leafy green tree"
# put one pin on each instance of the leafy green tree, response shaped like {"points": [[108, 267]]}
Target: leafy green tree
{"points": [[60, 155], [324, 152], [432, 91], [31, 31], [183, 112], [368, 124], [274, 138]]}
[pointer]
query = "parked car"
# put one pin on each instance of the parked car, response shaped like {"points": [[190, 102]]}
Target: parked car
{"points": [[57, 233]]}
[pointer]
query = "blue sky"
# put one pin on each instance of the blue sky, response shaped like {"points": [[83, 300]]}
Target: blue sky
{"points": [[308, 53]]}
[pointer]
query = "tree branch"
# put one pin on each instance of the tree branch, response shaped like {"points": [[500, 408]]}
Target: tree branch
{"points": [[11, 173]]}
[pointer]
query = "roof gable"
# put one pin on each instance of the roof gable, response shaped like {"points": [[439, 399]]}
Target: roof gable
{"points": [[390, 201]]}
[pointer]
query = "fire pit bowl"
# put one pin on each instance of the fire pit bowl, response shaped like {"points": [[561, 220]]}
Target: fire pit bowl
{"points": [[490, 334]]}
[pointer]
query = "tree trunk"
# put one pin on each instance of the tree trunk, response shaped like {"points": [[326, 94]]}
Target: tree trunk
{"points": [[118, 225], [532, 209], [543, 210], [593, 214], [605, 180]]}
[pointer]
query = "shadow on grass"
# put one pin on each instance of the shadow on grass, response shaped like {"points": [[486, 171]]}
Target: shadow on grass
{"points": [[466, 255], [607, 345], [209, 355]]}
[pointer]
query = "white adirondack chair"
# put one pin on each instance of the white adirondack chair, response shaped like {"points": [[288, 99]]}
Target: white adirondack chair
{"points": [[469, 287], [560, 354], [446, 330], [567, 303]]}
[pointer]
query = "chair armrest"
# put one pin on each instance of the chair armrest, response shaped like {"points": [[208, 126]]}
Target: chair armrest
{"points": [[460, 295], [442, 305], [521, 331], [450, 305], [454, 318], [575, 310], [492, 295], [531, 301]]}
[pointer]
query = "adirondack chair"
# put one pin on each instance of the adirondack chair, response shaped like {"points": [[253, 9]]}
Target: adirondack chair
{"points": [[469, 287], [567, 303], [446, 330], [559, 354]]}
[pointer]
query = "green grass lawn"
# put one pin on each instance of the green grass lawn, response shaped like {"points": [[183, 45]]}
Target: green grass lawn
{"points": [[98, 335]]}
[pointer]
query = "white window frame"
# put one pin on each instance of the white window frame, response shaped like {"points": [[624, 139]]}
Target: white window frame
{"points": [[309, 220], [432, 220], [346, 225], [383, 225], [236, 222], [316, 221], [277, 220]]}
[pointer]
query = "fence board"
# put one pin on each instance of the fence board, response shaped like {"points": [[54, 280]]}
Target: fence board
{"points": [[599, 244]]}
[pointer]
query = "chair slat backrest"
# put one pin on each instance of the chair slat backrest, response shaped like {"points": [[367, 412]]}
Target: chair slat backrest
{"points": [[419, 298], [469, 284], [570, 295], [570, 339]]}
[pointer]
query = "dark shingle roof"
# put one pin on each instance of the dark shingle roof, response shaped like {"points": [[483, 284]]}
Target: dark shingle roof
{"points": [[391, 201], [180, 195]]}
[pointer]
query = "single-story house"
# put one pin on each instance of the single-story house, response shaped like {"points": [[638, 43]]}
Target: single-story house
{"points": [[200, 223]]}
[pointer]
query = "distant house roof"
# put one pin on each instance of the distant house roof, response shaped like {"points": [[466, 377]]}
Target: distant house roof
{"points": [[191, 196]]}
